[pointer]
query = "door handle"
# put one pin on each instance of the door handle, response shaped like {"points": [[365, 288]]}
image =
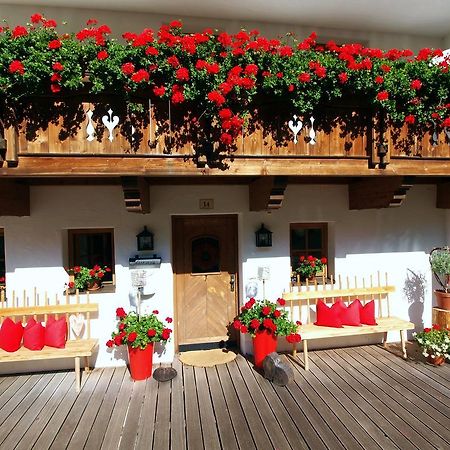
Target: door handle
{"points": [[232, 282]]}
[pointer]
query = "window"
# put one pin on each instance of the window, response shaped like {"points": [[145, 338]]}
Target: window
{"points": [[2, 258], [308, 239], [88, 247]]}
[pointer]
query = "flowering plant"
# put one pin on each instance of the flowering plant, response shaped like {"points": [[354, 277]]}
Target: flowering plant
{"points": [[440, 265], [309, 266], [84, 276], [264, 315], [435, 341], [139, 330], [220, 76]]}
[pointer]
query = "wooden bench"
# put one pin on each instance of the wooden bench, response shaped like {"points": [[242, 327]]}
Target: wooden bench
{"points": [[308, 297], [76, 346]]}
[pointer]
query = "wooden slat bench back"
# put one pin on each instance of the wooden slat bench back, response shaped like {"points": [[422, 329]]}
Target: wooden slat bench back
{"points": [[40, 308], [302, 303]]}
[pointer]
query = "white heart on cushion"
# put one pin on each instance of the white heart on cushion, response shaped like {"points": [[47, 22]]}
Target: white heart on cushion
{"points": [[76, 324]]}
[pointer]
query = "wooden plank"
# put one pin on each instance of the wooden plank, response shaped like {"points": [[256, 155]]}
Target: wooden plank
{"points": [[95, 166], [358, 423], [242, 431], [177, 418], [72, 418], [256, 424], [425, 413], [350, 292], [33, 430], [357, 393], [114, 430], [161, 434], [50, 309], [193, 429], [99, 426], [290, 431], [223, 420], [10, 386], [13, 396], [83, 428], [396, 415], [131, 424], [210, 433], [11, 430]]}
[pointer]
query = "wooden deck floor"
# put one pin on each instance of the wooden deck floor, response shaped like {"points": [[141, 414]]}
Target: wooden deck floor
{"points": [[352, 398]]}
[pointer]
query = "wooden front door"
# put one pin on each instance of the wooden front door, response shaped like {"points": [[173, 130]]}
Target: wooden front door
{"points": [[205, 267]]}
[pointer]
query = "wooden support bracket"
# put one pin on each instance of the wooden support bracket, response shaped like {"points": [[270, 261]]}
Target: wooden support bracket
{"points": [[136, 193], [267, 193], [383, 192]]}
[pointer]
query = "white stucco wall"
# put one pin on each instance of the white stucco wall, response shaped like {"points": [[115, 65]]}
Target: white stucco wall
{"points": [[360, 243], [128, 21]]}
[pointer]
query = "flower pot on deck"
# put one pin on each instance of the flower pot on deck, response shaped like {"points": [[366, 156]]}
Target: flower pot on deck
{"points": [[264, 343], [141, 362], [442, 299]]}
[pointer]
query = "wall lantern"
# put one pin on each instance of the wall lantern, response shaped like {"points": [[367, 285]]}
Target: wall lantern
{"points": [[144, 240], [263, 237]]}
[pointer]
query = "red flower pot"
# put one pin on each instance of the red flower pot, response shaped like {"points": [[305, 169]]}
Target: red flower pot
{"points": [[141, 362], [264, 343]]}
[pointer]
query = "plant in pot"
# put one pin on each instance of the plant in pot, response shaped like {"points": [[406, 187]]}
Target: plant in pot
{"points": [[435, 344], [139, 332], [440, 265], [265, 322], [308, 267], [86, 278]]}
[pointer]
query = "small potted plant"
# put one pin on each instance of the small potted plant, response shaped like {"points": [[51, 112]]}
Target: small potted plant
{"points": [[440, 265], [435, 344], [310, 266], [139, 333], [265, 322], [86, 278]]}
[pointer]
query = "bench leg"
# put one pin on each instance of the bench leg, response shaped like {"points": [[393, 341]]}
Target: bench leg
{"points": [[87, 368], [305, 354], [403, 341], [385, 339], [77, 373], [294, 350]]}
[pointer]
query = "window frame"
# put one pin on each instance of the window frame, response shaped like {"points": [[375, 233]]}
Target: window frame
{"points": [[323, 226], [3, 256], [73, 232]]}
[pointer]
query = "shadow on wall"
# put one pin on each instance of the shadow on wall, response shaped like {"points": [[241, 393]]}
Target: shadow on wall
{"points": [[414, 290]]}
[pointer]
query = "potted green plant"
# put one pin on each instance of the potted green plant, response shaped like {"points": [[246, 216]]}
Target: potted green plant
{"points": [[265, 322], [440, 265], [139, 333], [435, 344], [86, 278], [310, 266]]}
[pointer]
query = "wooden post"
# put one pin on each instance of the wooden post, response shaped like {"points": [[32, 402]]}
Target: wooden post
{"points": [[441, 317]]}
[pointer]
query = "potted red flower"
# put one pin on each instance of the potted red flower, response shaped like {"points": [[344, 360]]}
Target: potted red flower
{"points": [[139, 333], [265, 322]]}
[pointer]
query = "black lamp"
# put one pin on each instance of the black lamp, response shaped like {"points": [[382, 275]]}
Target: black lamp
{"points": [[144, 240], [263, 237]]}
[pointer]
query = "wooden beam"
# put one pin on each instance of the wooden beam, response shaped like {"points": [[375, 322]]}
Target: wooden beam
{"points": [[382, 192], [136, 193], [107, 166], [267, 193], [14, 198], [12, 145]]}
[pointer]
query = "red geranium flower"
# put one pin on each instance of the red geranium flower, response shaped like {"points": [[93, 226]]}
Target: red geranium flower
{"points": [[175, 24], [226, 138], [304, 77], [36, 18], [237, 324], [410, 119], [132, 336], [140, 75], [182, 74], [57, 66], [55, 44], [173, 61], [383, 95], [110, 343], [120, 312], [379, 79], [49, 23], [255, 323], [118, 340], [151, 51], [155, 311], [216, 97], [103, 54], [244, 329], [159, 91], [151, 333], [128, 68], [266, 310], [166, 333], [343, 77], [281, 301], [169, 319], [416, 84], [16, 66], [19, 31], [436, 326]]}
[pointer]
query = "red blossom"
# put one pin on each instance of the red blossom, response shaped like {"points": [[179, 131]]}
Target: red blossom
{"points": [[132, 336], [151, 333], [446, 122], [266, 310], [166, 334], [410, 119], [244, 329], [49, 23], [226, 138], [169, 319], [182, 74], [251, 69], [140, 76], [19, 31], [118, 340], [216, 97], [121, 326], [173, 61], [343, 77], [36, 18], [255, 323], [293, 338], [281, 301], [379, 79], [55, 77], [91, 22], [175, 24], [385, 68], [128, 68], [427, 330], [109, 343], [416, 84], [383, 95], [16, 66], [237, 324], [213, 68], [57, 66], [277, 313], [177, 94], [55, 44], [151, 51], [436, 327], [120, 313], [304, 77], [103, 54], [298, 323], [159, 91], [291, 88], [225, 113]]}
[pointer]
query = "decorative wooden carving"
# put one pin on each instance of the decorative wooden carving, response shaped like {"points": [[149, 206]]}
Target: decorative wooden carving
{"points": [[383, 192], [14, 198], [110, 123], [267, 193], [136, 193]]}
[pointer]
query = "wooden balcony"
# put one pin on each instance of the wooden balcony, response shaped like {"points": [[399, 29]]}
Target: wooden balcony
{"points": [[70, 137], [352, 398]]}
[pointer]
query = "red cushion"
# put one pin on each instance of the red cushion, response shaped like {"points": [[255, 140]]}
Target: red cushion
{"points": [[350, 314], [328, 317], [55, 332], [34, 335], [367, 313], [11, 335]]}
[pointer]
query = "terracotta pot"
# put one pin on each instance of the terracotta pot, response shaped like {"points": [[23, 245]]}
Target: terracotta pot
{"points": [[437, 360], [141, 362], [263, 343], [94, 285], [442, 299]]}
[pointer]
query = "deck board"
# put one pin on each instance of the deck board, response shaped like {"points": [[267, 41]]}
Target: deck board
{"points": [[352, 398]]}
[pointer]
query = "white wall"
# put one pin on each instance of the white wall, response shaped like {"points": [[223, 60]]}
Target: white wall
{"points": [[123, 21], [362, 242]]}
